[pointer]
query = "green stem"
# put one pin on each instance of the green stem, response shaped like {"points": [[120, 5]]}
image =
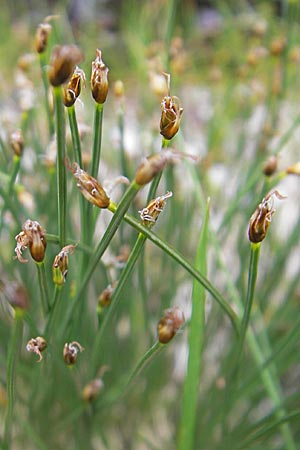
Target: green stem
{"points": [[43, 65], [53, 313], [97, 139], [13, 352], [116, 297], [185, 264], [78, 159], [155, 182], [123, 161], [103, 244], [196, 345], [61, 169], [43, 287], [252, 275]]}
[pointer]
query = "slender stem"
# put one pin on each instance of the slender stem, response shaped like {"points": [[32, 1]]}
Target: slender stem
{"points": [[53, 313], [43, 286], [116, 297], [75, 134], [104, 243], [155, 182], [43, 65], [78, 159], [123, 161], [97, 139], [196, 345], [252, 275], [96, 153], [61, 169], [185, 264], [79, 246], [14, 348]]}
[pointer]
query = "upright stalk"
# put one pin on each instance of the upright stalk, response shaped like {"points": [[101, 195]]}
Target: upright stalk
{"points": [[60, 164], [43, 287], [43, 65]]}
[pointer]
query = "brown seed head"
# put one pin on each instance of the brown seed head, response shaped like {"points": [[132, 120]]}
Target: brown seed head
{"points": [[150, 214], [37, 345], [171, 112], [262, 217], [15, 294], [278, 45], [61, 263], [62, 64], [92, 389], [150, 167], [89, 187], [32, 236], [70, 352], [105, 296], [99, 81], [41, 37], [17, 142], [294, 169], [169, 324], [72, 90], [270, 166]]}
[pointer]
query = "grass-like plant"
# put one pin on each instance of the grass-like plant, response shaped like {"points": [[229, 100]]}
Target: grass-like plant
{"points": [[160, 313]]}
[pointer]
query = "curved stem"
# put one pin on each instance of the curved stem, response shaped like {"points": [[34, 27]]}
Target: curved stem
{"points": [[103, 244], [185, 264]]}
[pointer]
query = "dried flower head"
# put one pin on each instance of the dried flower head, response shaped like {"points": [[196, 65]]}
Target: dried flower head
{"points": [[270, 166], [41, 37], [150, 214], [15, 294], [150, 167], [99, 81], [262, 217], [71, 351], [89, 186], [32, 236], [62, 64], [37, 345], [61, 263], [92, 389], [73, 88], [169, 324], [105, 296], [171, 112], [119, 89], [17, 142], [294, 169]]}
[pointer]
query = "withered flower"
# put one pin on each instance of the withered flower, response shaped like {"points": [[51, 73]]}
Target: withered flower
{"points": [[270, 166], [60, 264], [150, 167], [171, 112], [41, 37], [99, 81], [32, 236], [37, 345], [73, 88], [294, 169], [92, 389], [105, 296], [70, 352], [89, 186], [15, 294], [169, 324], [17, 142], [62, 64], [150, 214], [262, 217]]}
